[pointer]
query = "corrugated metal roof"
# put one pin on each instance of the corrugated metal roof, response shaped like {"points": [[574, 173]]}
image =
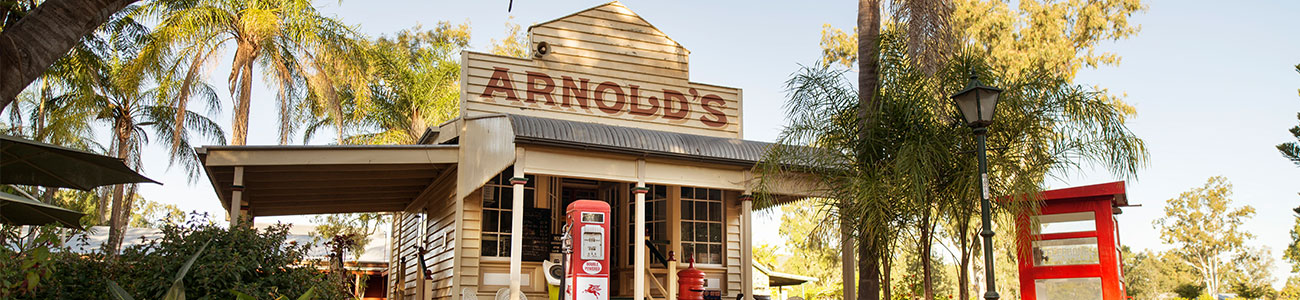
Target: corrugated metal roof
{"points": [[536, 130]]}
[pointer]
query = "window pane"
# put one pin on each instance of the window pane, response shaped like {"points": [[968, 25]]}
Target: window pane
{"points": [[528, 198], [490, 197], [701, 193], [1069, 222], [715, 194], [715, 232], [1068, 289], [688, 232], [715, 211], [688, 193], [702, 254], [1080, 251], [490, 220], [505, 245], [661, 232], [687, 208], [688, 249], [506, 197], [715, 254], [701, 232], [489, 245], [660, 192], [532, 180], [701, 209], [506, 221], [661, 210]]}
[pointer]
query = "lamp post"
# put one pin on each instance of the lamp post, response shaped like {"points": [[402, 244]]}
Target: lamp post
{"points": [[977, 103]]}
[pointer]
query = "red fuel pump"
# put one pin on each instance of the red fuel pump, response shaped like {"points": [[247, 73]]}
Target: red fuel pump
{"points": [[586, 275]]}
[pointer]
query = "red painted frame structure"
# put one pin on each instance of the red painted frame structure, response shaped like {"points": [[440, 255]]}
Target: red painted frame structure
{"points": [[1104, 200]]}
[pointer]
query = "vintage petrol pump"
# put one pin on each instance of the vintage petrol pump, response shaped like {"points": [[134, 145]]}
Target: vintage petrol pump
{"points": [[586, 274]]}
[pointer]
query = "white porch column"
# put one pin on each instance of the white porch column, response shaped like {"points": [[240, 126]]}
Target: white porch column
{"points": [[747, 245], [236, 196], [638, 234], [517, 225]]}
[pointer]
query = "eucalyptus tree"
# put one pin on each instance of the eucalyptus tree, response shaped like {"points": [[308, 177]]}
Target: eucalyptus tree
{"points": [[306, 55]]}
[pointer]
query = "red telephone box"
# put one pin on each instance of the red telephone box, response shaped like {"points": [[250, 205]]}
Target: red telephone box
{"points": [[1073, 249], [587, 276]]}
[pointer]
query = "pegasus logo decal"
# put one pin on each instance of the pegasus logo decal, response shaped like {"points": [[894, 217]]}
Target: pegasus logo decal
{"points": [[592, 289]]}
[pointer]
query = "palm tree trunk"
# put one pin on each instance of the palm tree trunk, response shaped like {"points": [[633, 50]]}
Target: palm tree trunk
{"points": [[240, 126], [115, 229], [963, 269], [868, 56], [31, 45], [846, 256], [886, 280], [868, 270], [927, 266]]}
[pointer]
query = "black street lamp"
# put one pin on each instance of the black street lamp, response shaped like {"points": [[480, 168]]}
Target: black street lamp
{"points": [[976, 104]]}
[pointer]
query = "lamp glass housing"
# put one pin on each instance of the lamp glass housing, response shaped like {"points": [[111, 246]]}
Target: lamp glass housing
{"points": [[977, 103]]}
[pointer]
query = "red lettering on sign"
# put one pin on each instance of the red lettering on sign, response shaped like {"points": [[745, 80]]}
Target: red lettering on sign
{"points": [[500, 83], [574, 91], [683, 107], [547, 86], [719, 118], [635, 100], [619, 98]]}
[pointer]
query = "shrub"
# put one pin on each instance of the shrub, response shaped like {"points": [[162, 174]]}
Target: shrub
{"points": [[254, 262]]}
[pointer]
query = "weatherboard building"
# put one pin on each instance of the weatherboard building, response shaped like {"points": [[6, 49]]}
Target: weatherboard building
{"points": [[603, 109]]}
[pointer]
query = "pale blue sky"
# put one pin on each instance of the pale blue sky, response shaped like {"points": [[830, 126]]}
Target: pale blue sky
{"points": [[1212, 81]]}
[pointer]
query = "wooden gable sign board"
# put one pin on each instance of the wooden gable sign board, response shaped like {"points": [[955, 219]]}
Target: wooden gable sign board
{"points": [[602, 65]]}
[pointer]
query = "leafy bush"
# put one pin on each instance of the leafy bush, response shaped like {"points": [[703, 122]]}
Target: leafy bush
{"points": [[258, 263]]}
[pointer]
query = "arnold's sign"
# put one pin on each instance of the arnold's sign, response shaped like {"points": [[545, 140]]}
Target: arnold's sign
{"points": [[604, 65]]}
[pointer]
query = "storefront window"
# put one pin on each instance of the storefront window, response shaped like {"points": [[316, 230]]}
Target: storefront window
{"points": [[656, 221], [702, 224], [498, 201], [1068, 289]]}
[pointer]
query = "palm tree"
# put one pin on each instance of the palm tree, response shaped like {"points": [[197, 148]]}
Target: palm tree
{"points": [[917, 166], [307, 55], [37, 35], [136, 97]]}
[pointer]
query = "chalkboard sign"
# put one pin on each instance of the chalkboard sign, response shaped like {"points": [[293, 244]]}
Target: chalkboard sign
{"points": [[537, 234]]}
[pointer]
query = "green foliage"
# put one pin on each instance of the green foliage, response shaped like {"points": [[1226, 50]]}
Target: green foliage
{"points": [[1291, 150], [25, 259], [251, 261], [176, 291], [1206, 229], [1291, 290], [1189, 290], [1149, 274], [310, 294], [415, 85], [358, 227], [312, 60], [515, 44], [811, 247], [1292, 251]]}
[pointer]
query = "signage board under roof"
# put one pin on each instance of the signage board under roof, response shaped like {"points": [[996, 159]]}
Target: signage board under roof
{"points": [[603, 65]]}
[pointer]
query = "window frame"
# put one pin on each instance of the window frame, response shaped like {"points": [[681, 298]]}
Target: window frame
{"points": [[688, 201], [500, 184]]}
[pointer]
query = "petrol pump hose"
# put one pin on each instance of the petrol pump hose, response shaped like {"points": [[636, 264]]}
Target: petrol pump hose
{"points": [[566, 248]]}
